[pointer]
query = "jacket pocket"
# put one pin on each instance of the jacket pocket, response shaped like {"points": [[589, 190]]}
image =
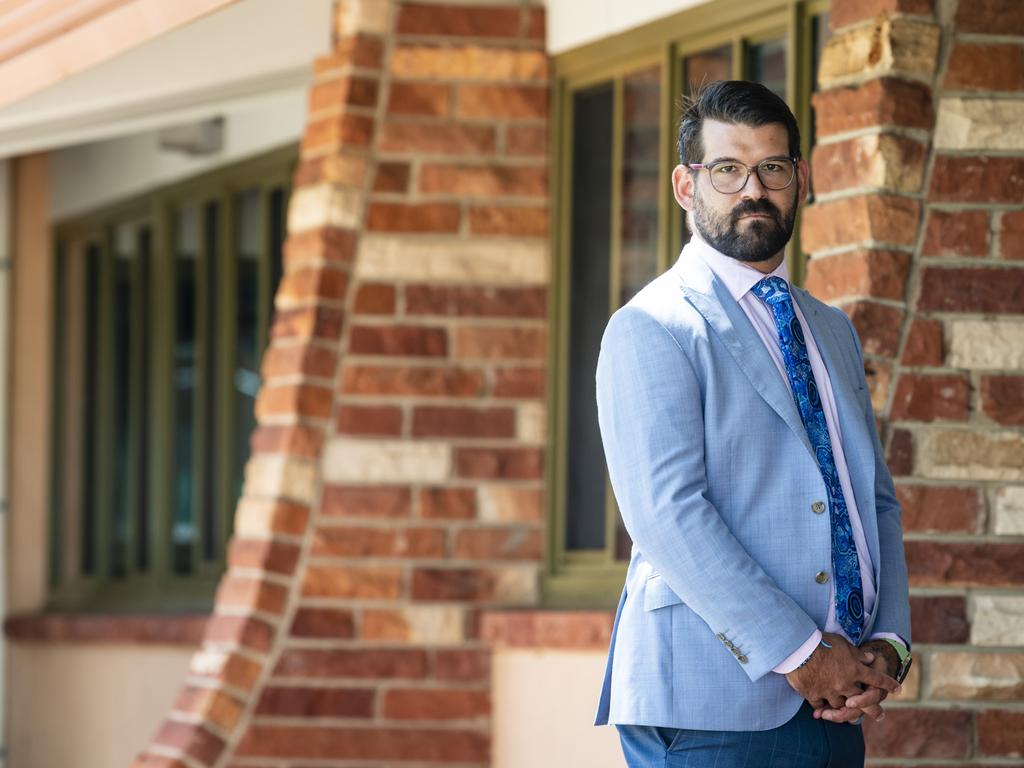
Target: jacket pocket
{"points": [[658, 594]]}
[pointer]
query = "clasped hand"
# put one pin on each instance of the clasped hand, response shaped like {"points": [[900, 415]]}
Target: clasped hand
{"points": [[844, 682]]}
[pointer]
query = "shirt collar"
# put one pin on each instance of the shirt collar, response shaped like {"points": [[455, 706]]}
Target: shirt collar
{"points": [[737, 277]]}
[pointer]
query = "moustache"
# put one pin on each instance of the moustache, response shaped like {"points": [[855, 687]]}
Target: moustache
{"points": [[748, 207]]}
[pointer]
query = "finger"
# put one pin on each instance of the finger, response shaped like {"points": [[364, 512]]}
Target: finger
{"points": [[864, 657], [875, 712], [879, 680], [836, 701], [844, 715], [868, 698]]}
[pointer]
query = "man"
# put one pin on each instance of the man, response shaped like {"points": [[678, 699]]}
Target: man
{"points": [[765, 608]]}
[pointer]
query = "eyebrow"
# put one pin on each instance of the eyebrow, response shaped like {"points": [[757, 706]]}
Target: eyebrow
{"points": [[737, 160]]}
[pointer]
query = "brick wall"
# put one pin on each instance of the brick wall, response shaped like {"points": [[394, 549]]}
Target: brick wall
{"points": [[918, 233], [395, 487]]}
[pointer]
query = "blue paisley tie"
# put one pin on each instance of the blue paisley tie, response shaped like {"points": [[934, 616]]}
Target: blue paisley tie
{"points": [[774, 291]]}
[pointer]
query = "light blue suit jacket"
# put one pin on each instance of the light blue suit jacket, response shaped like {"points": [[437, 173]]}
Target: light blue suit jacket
{"points": [[715, 479]]}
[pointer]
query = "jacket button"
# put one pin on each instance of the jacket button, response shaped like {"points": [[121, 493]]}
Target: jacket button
{"points": [[742, 659], [720, 636], [818, 507], [821, 577]]}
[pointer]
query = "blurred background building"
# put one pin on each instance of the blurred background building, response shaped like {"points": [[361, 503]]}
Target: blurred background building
{"points": [[299, 310]]}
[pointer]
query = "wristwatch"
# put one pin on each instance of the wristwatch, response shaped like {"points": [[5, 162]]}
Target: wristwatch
{"points": [[906, 659]]}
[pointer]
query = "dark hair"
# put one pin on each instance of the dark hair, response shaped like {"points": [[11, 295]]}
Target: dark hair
{"points": [[732, 101]]}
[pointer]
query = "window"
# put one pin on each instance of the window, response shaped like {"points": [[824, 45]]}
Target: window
{"points": [[619, 226], [163, 307]]}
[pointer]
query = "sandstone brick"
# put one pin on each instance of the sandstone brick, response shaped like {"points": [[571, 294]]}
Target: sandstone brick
{"points": [[330, 134], [510, 504], [251, 594], [878, 375], [391, 177], [951, 564], [876, 274], [519, 382], [365, 17], [900, 456], [972, 455], [446, 704], [502, 102], [971, 676], [209, 704], [242, 631], [877, 325], [971, 179], [924, 345], [273, 476], [979, 124], [342, 662], [997, 620], [883, 101], [468, 62], [500, 463], [515, 220], [430, 625], [422, 99], [878, 160], [225, 666], [889, 45], [326, 246], [307, 323], [526, 140], [997, 17], [531, 423], [463, 261], [334, 95], [427, 381], [308, 286], [910, 733], [462, 664], [941, 508], [363, 542], [375, 299], [1002, 399], [365, 501], [972, 289], [192, 739], [280, 361], [262, 554], [1001, 733], [866, 219], [293, 400], [845, 12], [448, 503], [352, 582], [157, 761], [987, 344], [414, 217], [398, 340], [359, 50], [383, 461], [985, 67], [939, 619], [324, 205], [462, 421], [330, 623], [1008, 515], [266, 517], [956, 234], [922, 397], [459, 301], [370, 420], [436, 138], [500, 343], [491, 180], [499, 544], [295, 701], [381, 745]]}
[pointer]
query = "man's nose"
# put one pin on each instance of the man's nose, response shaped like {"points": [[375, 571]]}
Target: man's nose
{"points": [[753, 188]]}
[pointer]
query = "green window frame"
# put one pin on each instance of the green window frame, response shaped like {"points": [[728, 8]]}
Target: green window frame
{"points": [[163, 308], [630, 200]]}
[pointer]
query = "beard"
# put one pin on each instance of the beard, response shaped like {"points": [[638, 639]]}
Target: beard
{"points": [[760, 240]]}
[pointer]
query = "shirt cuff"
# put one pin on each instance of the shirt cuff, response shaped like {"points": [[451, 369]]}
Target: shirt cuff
{"points": [[890, 636], [800, 655]]}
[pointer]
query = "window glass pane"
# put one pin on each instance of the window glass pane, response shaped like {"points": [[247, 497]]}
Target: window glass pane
{"points": [[93, 265], [248, 225], [766, 64], [210, 435], [183, 530], [121, 405], [589, 290], [142, 344]]}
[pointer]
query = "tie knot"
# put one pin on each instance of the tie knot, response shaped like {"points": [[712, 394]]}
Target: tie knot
{"points": [[771, 290]]}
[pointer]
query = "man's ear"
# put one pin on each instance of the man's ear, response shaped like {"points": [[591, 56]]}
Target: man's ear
{"points": [[803, 177], [683, 187]]}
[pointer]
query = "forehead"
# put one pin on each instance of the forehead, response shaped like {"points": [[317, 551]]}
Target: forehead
{"points": [[743, 142]]}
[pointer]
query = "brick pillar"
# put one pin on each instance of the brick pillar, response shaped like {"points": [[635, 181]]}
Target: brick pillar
{"points": [[395, 487], [918, 233]]}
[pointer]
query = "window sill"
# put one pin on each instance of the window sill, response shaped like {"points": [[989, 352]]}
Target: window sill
{"points": [[550, 630], [184, 629]]}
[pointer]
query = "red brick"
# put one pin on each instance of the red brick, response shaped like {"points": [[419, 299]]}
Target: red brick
{"points": [[322, 742], [922, 397], [385, 626], [327, 245], [420, 138], [297, 440], [526, 140], [886, 101], [996, 17], [972, 289], [285, 517], [453, 584], [975, 179], [847, 164], [536, 23], [445, 704], [179, 629], [455, 421], [413, 217], [399, 340], [845, 12], [509, 220], [365, 501], [924, 344], [475, 301], [499, 544], [952, 564], [1002, 399], [919, 733], [986, 67], [307, 323], [900, 457], [244, 631], [462, 664], [253, 594], [878, 376], [273, 556], [291, 701], [495, 343], [940, 619], [192, 739], [422, 99], [503, 102], [391, 177], [425, 381], [352, 50], [448, 503], [352, 582], [878, 327], [157, 761], [375, 299], [365, 542], [231, 669], [1011, 235], [956, 234], [500, 463], [313, 663], [370, 420], [458, 21], [853, 220], [877, 274], [298, 360], [519, 382], [330, 623], [310, 285], [1001, 733], [333, 133], [940, 509], [294, 400], [210, 704], [346, 91], [485, 180], [572, 630]]}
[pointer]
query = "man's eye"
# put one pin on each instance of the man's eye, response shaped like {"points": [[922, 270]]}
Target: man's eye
{"points": [[725, 169], [771, 167]]}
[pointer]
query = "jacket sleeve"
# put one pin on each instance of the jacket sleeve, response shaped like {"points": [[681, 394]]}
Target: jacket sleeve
{"points": [[652, 427]]}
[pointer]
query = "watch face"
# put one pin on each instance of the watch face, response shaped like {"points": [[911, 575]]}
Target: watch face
{"points": [[904, 669]]}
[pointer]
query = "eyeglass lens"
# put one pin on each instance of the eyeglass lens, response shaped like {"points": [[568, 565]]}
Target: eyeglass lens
{"points": [[729, 176]]}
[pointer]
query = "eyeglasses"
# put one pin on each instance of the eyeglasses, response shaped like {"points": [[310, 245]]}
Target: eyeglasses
{"points": [[730, 176]]}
